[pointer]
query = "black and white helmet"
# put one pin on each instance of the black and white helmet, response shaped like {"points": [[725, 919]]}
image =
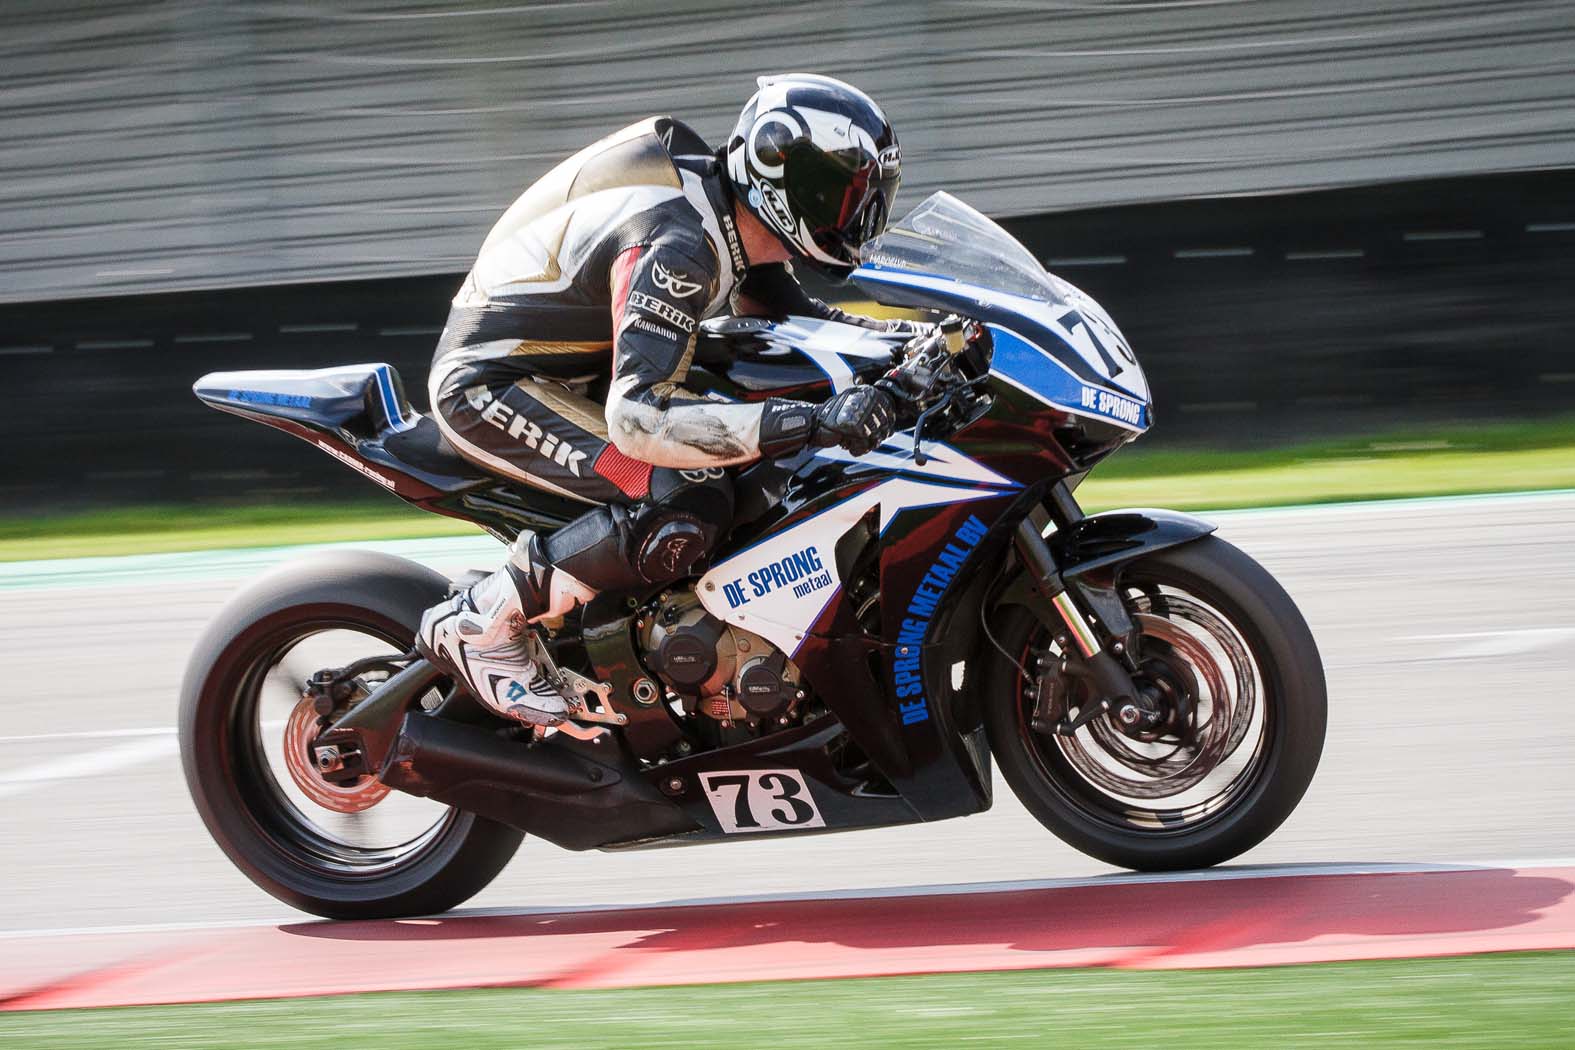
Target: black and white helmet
{"points": [[817, 162]]}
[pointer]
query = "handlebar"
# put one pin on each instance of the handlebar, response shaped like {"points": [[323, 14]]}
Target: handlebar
{"points": [[927, 379], [912, 378]]}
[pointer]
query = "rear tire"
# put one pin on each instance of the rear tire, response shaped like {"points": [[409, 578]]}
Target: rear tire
{"points": [[1291, 679], [356, 591]]}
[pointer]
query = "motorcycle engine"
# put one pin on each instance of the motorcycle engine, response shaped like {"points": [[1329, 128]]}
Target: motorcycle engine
{"points": [[723, 672]]}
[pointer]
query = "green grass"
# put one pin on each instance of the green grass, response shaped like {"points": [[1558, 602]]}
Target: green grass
{"points": [[1520, 1001], [1408, 462], [1314, 480], [1414, 462], [155, 530]]}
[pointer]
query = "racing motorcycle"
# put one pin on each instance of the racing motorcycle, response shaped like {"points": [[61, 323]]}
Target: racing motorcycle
{"points": [[872, 636]]}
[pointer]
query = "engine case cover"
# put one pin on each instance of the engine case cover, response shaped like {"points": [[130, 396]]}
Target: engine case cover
{"points": [[686, 658], [718, 669], [762, 689]]}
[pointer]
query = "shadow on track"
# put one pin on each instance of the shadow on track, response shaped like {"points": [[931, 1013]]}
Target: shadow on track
{"points": [[1239, 917], [1230, 921]]}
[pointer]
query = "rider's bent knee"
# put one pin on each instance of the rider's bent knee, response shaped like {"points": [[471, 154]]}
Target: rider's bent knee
{"points": [[615, 548]]}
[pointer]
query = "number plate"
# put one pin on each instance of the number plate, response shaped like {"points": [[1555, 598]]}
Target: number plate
{"points": [[761, 800]]}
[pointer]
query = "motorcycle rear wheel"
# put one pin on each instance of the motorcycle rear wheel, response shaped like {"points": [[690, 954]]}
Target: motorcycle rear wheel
{"points": [[297, 851], [1220, 627]]}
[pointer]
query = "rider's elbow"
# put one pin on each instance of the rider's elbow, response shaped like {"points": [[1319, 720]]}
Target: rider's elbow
{"points": [[691, 437], [634, 429]]}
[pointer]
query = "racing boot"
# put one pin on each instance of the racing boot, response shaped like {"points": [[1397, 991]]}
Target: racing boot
{"points": [[482, 635]]}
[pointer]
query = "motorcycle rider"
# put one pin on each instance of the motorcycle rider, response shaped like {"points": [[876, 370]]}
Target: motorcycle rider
{"points": [[605, 266]]}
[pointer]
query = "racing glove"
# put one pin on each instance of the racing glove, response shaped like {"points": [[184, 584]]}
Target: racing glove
{"points": [[858, 419]]}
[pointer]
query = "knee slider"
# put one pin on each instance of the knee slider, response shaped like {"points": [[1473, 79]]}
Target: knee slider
{"points": [[669, 547], [688, 513], [610, 549], [616, 548]]}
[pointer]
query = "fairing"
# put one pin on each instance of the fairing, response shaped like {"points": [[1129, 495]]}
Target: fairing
{"points": [[351, 400], [1053, 341], [1101, 541], [752, 358]]}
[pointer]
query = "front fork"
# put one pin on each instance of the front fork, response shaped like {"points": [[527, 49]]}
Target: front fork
{"points": [[1109, 678]]}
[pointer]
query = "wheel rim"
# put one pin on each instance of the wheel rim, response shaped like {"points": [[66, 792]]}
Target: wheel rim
{"points": [[1193, 772], [360, 832]]}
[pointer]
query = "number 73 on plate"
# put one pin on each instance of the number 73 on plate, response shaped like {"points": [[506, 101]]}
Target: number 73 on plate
{"points": [[761, 800]]}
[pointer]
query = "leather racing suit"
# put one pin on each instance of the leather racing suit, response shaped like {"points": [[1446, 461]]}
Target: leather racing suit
{"points": [[595, 280]]}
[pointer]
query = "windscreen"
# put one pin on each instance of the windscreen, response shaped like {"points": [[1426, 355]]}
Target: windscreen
{"points": [[946, 237]]}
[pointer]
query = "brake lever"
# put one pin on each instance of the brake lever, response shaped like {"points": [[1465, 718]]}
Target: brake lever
{"points": [[944, 401], [937, 356], [919, 458]]}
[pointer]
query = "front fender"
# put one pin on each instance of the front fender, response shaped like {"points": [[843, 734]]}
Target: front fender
{"points": [[1100, 541]]}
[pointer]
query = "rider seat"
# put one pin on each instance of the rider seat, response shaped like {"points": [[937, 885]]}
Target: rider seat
{"points": [[359, 401], [362, 405]]}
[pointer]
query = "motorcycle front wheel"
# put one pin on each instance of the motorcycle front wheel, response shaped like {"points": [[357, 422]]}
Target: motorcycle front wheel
{"points": [[1244, 704], [357, 851]]}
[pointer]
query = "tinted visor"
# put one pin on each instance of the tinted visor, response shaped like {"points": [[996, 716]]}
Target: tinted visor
{"points": [[842, 197]]}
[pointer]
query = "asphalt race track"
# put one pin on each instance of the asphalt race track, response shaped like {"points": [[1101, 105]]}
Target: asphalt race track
{"points": [[1447, 628]]}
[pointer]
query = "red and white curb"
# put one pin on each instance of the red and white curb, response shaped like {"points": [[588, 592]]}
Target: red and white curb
{"points": [[1235, 917]]}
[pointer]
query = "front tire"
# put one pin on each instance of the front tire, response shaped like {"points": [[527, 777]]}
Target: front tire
{"points": [[365, 603], [1131, 804]]}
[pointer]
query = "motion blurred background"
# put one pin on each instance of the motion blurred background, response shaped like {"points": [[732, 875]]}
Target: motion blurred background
{"points": [[1339, 234], [1337, 229]]}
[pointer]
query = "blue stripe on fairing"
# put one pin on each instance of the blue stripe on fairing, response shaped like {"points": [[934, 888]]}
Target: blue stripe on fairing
{"points": [[996, 307], [768, 537], [776, 534], [1024, 365], [977, 492], [385, 386], [881, 273]]}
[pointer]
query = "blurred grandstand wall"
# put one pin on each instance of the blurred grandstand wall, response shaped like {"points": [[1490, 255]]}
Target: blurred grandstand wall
{"points": [[1308, 217], [204, 143]]}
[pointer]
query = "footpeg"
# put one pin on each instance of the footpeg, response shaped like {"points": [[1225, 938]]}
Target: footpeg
{"points": [[577, 690]]}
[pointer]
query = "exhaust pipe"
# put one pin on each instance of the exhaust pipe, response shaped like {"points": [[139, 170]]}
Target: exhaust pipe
{"points": [[552, 789]]}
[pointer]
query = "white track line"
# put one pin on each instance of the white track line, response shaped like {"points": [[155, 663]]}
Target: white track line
{"points": [[109, 734], [1481, 644], [88, 734], [15, 782], [1283, 871]]}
